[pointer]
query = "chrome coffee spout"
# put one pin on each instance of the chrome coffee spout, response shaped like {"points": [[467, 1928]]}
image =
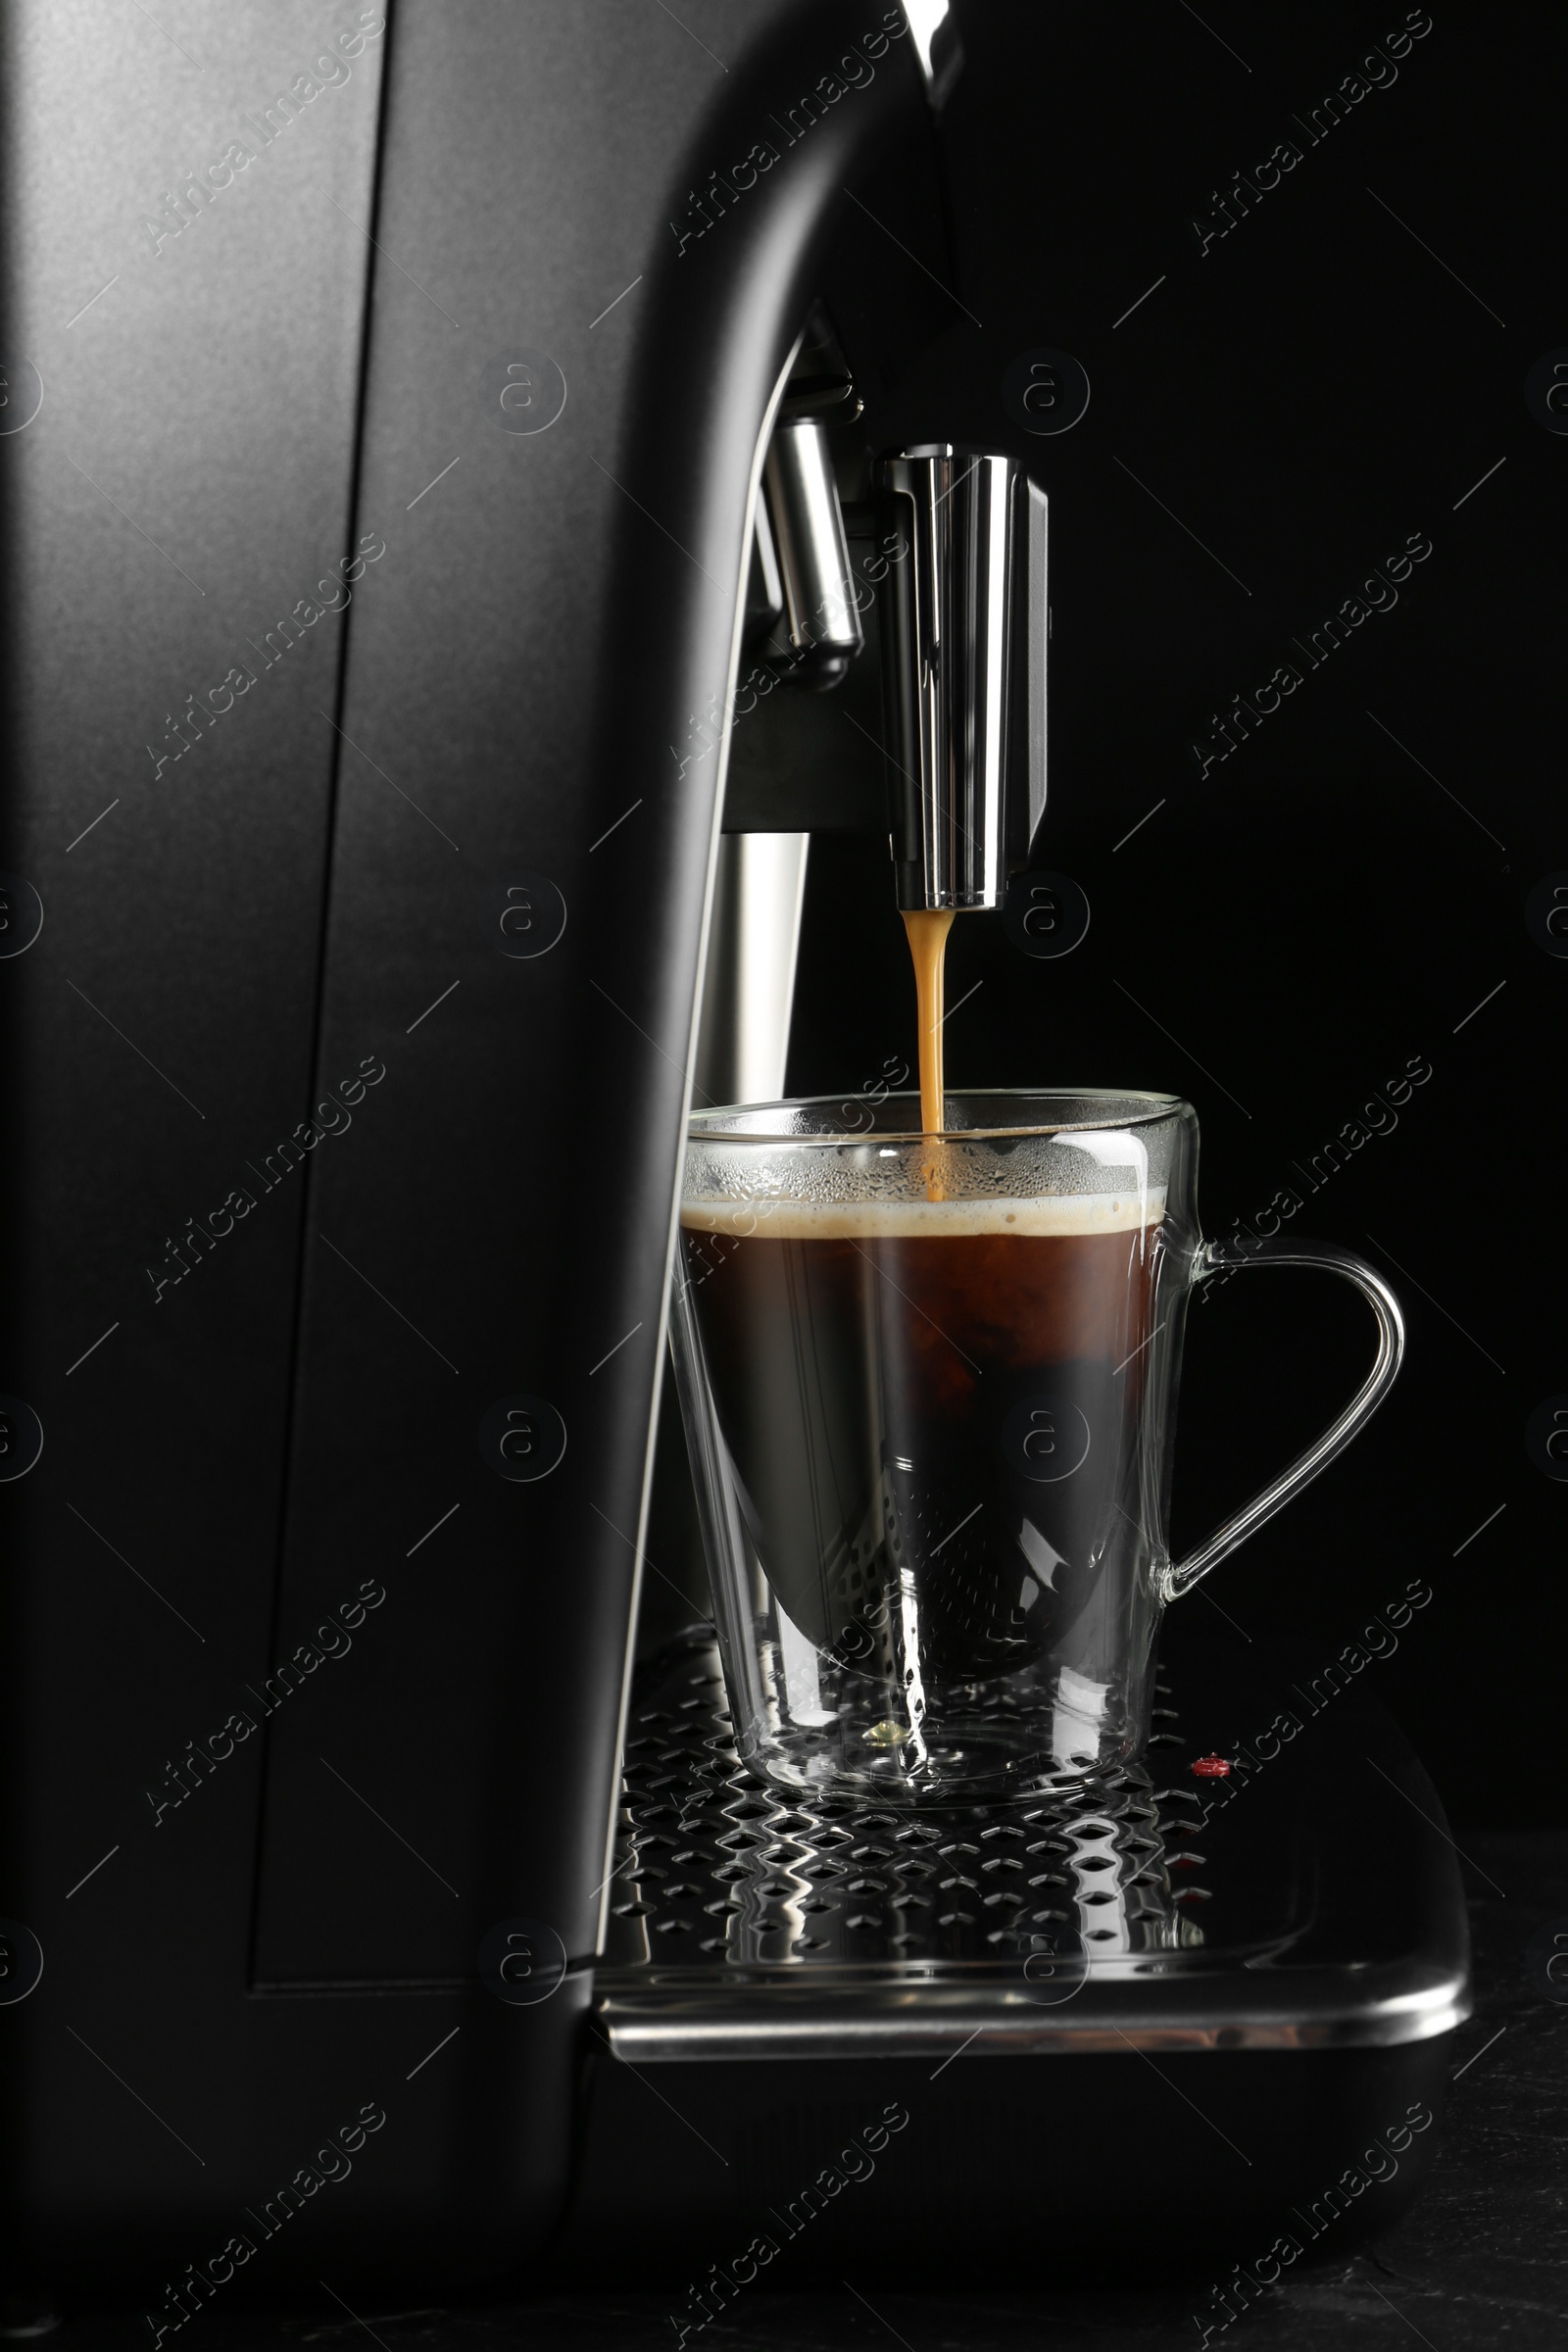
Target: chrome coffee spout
{"points": [[965, 669]]}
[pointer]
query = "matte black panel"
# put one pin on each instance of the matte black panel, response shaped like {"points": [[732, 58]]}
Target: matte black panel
{"points": [[511, 1188], [185, 486]]}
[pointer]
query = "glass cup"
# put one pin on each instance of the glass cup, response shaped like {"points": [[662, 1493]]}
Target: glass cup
{"points": [[929, 1389]]}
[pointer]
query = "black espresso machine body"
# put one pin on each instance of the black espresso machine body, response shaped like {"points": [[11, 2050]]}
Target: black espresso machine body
{"points": [[379, 530], [406, 391]]}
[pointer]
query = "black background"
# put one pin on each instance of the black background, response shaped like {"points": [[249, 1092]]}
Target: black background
{"points": [[1283, 936]]}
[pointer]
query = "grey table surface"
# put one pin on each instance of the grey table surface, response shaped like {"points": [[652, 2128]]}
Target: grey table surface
{"points": [[1481, 2259]]}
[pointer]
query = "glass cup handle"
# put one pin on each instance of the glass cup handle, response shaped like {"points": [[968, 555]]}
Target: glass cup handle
{"points": [[1210, 1260]]}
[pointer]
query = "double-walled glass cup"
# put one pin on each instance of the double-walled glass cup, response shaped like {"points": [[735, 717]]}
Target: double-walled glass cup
{"points": [[929, 1390]]}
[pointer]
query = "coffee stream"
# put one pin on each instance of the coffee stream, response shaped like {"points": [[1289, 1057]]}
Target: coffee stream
{"points": [[928, 929]]}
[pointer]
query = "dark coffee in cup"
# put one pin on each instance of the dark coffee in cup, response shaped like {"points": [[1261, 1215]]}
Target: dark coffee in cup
{"points": [[929, 1387], [931, 1411]]}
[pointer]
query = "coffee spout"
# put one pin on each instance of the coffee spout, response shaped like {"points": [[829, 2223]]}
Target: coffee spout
{"points": [[964, 670]]}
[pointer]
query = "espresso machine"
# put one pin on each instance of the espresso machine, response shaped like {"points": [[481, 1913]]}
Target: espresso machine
{"points": [[572, 529]]}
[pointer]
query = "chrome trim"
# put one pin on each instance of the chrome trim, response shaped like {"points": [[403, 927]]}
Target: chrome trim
{"points": [[813, 555], [743, 1033], [908, 2015]]}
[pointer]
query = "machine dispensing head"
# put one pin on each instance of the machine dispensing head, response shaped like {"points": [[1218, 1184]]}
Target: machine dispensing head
{"points": [[965, 672]]}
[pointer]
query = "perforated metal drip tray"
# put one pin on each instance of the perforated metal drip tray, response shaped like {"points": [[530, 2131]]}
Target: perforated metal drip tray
{"points": [[1308, 1899]]}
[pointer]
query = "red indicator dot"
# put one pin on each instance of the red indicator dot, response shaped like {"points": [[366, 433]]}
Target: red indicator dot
{"points": [[1212, 1768]]}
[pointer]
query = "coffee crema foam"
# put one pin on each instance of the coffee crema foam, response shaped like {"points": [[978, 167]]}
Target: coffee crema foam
{"points": [[1055, 1216]]}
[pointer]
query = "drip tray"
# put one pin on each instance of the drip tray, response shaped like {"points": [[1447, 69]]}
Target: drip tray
{"points": [[827, 2041], [1307, 1899]]}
